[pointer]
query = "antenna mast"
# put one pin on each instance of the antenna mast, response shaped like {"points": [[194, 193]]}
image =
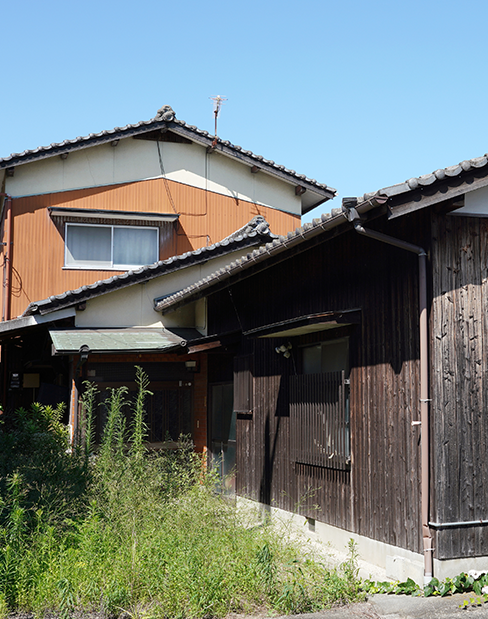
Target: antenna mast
{"points": [[218, 102]]}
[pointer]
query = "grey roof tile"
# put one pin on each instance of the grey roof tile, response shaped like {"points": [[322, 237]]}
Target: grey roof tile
{"points": [[426, 180], [261, 254], [255, 232], [165, 119]]}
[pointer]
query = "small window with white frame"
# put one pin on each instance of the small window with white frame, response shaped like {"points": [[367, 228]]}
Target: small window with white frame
{"points": [[90, 246]]}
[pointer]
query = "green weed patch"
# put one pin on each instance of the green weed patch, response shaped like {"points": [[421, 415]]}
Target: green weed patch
{"points": [[119, 529], [474, 582]]}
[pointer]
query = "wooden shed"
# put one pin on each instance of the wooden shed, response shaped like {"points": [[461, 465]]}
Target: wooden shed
{"points": [[343, 411]]}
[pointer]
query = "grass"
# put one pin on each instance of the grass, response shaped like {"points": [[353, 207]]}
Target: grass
{"points": [[145, 533]]}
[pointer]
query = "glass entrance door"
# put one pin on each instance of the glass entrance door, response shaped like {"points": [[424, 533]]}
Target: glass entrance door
{"points": [[223, 435]]}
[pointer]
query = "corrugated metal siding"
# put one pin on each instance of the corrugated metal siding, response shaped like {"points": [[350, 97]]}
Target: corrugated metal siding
{"points": [[38, 246]]}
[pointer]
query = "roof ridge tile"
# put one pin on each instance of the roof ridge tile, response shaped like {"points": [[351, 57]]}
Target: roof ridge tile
{"points": [[165, 117]]}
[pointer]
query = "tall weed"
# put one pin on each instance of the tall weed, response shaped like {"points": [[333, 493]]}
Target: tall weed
{"points": [[86, 436], [152, 536]]}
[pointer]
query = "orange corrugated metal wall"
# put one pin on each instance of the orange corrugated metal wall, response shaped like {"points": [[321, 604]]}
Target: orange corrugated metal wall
{"points": [[38, 247]]}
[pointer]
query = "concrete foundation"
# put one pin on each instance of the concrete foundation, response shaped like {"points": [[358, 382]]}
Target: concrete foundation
{"points": [[377, 560], [453, 567]]}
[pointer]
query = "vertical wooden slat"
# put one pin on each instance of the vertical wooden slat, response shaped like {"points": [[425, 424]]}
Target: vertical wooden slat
{"points": [[317, 415], [459, 333]]}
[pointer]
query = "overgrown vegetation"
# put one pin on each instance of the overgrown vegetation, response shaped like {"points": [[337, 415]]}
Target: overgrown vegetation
{"points": [[474, 582], [123, 529]]}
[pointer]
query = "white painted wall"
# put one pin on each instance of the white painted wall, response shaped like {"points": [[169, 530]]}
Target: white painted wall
{"points": [[133, 306], [134, 160], [475, 203], [201, 316]]}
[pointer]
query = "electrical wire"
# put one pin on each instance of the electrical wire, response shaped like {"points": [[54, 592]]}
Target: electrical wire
{"points": [[168, 190], [235, 309], [166, 184]]}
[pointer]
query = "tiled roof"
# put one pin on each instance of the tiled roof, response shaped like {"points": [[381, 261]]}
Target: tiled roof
{"points": [[263, 253], [165, 119], [256, 232], [427, 180], [327, 221]]}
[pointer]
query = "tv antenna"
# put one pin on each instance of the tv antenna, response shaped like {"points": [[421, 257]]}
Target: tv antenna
{"points": [[218, 102]]}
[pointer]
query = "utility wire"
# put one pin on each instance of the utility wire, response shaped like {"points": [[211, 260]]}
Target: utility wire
{"points": [[166, 184]]}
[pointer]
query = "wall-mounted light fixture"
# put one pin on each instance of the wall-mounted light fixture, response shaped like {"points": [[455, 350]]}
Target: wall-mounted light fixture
{"points": [[191, 366], [284, 349]]}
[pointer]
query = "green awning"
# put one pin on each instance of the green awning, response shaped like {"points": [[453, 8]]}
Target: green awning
{"points": [[73, 341]]}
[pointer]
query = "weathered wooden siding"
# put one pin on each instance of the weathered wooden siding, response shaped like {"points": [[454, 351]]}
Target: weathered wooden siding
{"points": [[380, 496], [318, 426], [460, 382], [38, 245], [263, 463]]}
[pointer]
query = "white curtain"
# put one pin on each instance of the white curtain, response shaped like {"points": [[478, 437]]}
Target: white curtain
{"points": [[135, 246], [91, 246], [88, 245]]}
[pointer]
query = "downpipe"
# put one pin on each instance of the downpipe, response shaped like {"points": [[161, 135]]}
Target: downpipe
{"points": [[6, 217], [7, 231], [353, 216]]}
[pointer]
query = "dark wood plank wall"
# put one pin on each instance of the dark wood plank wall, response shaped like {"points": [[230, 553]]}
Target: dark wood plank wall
{"points": [[380, 496], [460, 382]]}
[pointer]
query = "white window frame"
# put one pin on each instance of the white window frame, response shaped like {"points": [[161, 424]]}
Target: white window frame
{"points": [[108, 267]]}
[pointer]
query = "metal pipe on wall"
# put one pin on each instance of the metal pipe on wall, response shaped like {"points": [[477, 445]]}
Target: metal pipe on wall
{"points": [[353, 216], [6, 280], [7, 266], [458, 525]]}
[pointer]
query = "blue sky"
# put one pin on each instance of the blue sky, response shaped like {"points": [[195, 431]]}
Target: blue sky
{"points": [[358, 95]]}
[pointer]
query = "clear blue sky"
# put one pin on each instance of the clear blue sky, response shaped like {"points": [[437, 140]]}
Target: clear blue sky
{"points": [[359, 95]]}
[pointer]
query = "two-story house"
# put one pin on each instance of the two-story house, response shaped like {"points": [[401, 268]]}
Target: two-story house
{"points": [[96, 228], [82, 210]]}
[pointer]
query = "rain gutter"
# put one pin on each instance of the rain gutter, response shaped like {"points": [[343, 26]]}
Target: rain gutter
{"points": [[458, 525], [352, 214], [7, 269]]}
